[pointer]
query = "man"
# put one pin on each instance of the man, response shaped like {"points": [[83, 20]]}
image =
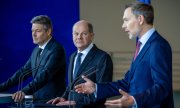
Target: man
{"points": [[46, 65], [148, 82], [92, 60]]}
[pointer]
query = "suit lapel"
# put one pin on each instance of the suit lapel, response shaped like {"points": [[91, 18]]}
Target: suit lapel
{"points": [[33, 60], [34, 57], [141, 54], [45, 52], [87, 60], [71, 66]]}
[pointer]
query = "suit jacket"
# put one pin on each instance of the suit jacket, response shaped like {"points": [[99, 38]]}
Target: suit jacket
{"points": [[149, 79], [48, 80], [96, 59]]}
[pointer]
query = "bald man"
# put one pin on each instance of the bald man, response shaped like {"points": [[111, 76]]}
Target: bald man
{"points": [[92, 60]]}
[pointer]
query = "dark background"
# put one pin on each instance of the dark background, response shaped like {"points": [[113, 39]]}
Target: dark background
{"points": [[15, 29]]}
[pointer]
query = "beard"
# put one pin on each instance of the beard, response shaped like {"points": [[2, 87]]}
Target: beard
{"points": [[131, 36], [134, 36]]}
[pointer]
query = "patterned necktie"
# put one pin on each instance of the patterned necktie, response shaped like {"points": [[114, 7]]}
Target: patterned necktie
{"points": [[137, 49], [38, 56], [77, 65]]}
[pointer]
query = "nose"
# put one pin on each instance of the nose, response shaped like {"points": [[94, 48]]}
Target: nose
{"points": [[123, 26], [33, 33], [79, 35]]}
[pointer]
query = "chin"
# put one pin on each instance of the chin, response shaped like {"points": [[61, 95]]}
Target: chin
{"points": [[132, 37], [34, 42]]}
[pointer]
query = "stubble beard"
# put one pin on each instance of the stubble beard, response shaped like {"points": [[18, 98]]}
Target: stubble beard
{"points": [[131, 36]]}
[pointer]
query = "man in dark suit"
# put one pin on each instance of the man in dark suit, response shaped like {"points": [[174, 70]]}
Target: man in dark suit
{"points": [[92, 60], [148, 82], [46, 65]]}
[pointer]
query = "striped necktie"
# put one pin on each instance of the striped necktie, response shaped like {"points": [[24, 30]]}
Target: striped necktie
{"points": [[77, 65]]}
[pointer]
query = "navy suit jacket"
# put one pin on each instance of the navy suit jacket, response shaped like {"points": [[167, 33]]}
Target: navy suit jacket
{"points": [[96, 59], [48, 80], [149, 78]]}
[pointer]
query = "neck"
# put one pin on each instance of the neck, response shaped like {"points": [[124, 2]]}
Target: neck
{"points": [[145, 28], [48, 39]]}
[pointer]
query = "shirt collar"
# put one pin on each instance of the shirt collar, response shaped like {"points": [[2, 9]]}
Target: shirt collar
{"points": [[85, 51], [146, 36], [44, 45]]}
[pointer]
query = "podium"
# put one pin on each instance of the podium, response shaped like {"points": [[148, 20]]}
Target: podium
{"points": [[7, 100]]}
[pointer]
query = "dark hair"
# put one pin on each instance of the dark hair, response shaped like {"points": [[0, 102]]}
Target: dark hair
{"points": [[90, 27], [43, 19], [139, 8]]}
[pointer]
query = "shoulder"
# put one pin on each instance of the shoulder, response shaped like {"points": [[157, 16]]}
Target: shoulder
{"points": [[73, 55], [160, 47], [160, 41], [99, 53], [35, 49], [54, 45]]}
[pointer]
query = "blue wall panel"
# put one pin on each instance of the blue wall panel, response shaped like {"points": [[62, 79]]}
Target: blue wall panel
{"points": [[15, 29]]}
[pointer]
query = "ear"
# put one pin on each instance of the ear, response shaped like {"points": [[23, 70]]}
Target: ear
{"points": [[49, 32], [92, 36], [141, 19]]}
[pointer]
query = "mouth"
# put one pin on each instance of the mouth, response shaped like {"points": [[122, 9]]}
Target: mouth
{"points": [[78, 41], [126, 30], [35, 39]]}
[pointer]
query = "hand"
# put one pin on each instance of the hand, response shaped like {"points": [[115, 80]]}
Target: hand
{"points": [[18, 96], [125, 101], [56, 100], [66, 103], [87, 88]]}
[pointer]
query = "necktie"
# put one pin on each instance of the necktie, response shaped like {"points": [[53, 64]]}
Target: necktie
{"points": [[137, 49], [77, 65], [38, 56]]}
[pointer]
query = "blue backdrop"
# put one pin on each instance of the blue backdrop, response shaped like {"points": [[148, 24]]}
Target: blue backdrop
{"points": [[15, 29]]}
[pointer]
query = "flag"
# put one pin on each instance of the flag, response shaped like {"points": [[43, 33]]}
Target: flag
{"points": [[145, 1]]}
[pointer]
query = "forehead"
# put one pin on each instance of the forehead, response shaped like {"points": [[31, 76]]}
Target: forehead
{"points": [[128, 13], [37, 26], [82, 26]]}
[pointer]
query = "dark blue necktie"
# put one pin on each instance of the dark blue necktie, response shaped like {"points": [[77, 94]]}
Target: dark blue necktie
{"points": [[77, 65], [38, 56]]}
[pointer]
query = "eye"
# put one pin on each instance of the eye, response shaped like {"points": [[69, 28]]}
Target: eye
{"points": [[125, 19], [38, 30], [84, 34], [75, 34]]}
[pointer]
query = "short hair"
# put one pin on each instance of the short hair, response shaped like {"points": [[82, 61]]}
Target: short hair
{"points": [[139, 8], [43, 19], [90, 27]]}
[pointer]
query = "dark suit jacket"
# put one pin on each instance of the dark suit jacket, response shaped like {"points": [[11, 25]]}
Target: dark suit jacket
{"points": [[48, 79], [149, 78], [95, 59]]}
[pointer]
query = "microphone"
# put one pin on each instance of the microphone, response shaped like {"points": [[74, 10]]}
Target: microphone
{"points": [[86, 75], [20, 84], [78, 79], [21, 77]]}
